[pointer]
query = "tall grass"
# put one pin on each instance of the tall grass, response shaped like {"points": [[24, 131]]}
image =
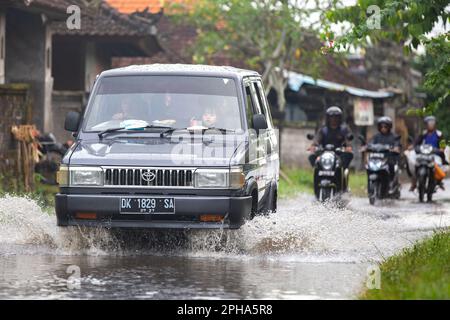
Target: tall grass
{"points": [[420, 272]]}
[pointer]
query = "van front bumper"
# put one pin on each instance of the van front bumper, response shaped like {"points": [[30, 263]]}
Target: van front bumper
{"points": [[188, 210]]}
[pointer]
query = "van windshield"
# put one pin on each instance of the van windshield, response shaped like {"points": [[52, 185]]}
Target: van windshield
{"points": [[173, 101]]}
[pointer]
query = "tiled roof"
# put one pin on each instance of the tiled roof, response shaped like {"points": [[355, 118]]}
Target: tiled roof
{"points": [[58, 6], [335, 71], [107, 21], [130, 6]]}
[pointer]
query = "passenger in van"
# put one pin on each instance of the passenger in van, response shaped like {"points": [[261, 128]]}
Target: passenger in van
{"points": [[127, 111], [163, 110]]}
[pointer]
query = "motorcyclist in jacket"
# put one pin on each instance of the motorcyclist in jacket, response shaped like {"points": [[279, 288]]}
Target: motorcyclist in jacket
{"points": [[335, 133], [387, 137], [433, 137]]}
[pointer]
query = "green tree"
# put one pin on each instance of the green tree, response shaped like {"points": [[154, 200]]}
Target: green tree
{"points": [[435, 63], [272, 36], [408, 22]]}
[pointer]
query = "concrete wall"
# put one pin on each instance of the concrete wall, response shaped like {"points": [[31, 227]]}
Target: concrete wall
{"points": [[63, 102], [293, 147], [27, 60]]}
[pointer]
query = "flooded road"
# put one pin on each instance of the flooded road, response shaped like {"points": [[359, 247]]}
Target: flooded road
{"points": [[305, 251]]}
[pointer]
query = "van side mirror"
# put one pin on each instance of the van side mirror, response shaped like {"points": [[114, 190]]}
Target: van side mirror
{"points": [[259, 122], [72, 121]]}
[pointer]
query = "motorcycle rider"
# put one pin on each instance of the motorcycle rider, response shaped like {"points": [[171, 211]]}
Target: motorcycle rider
{"points": [[335, 133], [433, 137], [387, 137]]}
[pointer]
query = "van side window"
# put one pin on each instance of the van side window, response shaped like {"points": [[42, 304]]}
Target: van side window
{"points": [[256, 103], [249, 107], [263, 103]]}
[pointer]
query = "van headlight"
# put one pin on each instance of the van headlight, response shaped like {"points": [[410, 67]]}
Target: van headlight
{"points": [[86, 176], [79, 176], [232, 178]]}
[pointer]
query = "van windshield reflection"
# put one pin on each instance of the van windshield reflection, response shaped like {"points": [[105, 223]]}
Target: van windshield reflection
{"points": [[165, 102]]}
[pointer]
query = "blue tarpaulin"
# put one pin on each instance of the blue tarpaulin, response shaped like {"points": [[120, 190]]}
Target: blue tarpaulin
{"points": [[296, 80]]}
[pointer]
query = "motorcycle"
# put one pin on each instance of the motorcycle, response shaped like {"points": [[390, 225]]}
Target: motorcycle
{"points": [[330, 177], [426, 161], [380, 184]]}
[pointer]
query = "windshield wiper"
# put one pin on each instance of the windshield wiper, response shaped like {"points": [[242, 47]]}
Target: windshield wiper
{"points": [[133, 130], [191, 129]]}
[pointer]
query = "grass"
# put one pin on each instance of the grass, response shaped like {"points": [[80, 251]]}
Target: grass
{"points": [[44, 194], [420, 272], [302, 181]]}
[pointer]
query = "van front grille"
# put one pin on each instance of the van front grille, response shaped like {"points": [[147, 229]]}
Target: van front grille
{"points": [[148, 177]]}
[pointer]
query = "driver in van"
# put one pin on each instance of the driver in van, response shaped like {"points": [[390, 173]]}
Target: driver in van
{"points": [[208, 119]]}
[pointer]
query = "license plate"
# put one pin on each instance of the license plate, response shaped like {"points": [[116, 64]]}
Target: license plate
{"points": [[326, 173], [147, 205], [377, 155]]}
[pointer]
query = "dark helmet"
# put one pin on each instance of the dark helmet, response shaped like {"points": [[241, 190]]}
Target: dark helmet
{"points": [[334, 112], [384, 120]]}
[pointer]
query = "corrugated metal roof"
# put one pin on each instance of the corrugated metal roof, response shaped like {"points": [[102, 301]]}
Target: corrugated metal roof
{"points": [[296, 80]]}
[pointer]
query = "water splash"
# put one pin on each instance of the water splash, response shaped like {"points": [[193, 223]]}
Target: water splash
{"points": [[302, 230]]}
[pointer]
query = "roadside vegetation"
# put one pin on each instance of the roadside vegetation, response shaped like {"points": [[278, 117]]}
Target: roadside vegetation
{"points": [[420, 272], [43, 194], [301, 180]]}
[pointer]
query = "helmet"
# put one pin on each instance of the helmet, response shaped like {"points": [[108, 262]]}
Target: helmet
{"points": [[333, 112], [429, 118], [385, 120]]}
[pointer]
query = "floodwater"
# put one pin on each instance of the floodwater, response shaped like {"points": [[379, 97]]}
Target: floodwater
{"points": [[305, 251]]}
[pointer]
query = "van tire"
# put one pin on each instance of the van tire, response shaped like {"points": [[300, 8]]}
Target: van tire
{"points": [[270, 204], [272, 201]]}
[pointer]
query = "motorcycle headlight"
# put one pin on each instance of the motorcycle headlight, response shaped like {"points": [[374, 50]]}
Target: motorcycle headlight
{"points": [[327, 160], [86, 176], [426, 149], [376, 164], [233, 178]]}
